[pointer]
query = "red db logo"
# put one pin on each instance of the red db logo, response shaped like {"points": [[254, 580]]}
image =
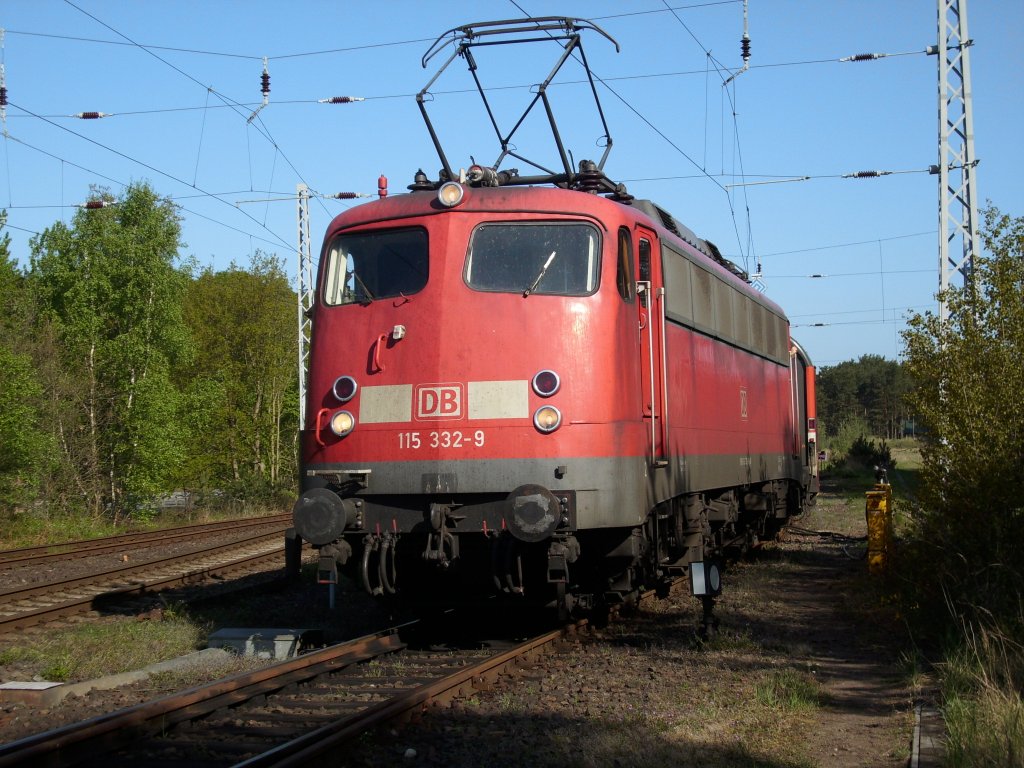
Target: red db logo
{"points": [[439, 401]]}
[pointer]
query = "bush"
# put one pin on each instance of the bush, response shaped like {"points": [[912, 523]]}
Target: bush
{"points": [[968, 379], [867, 453]]}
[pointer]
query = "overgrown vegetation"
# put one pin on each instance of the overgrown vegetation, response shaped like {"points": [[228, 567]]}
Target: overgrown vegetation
{"points": [[964, 554], [93, 650], [126, 376]]}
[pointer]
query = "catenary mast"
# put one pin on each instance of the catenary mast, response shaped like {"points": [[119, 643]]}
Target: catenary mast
{"points": [[958, 200]]}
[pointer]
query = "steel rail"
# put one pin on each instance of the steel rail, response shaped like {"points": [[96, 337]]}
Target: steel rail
{"points": [[14, 595], [106, 733], [90, 547], [302, 750], [83, 603], [71, 743]]}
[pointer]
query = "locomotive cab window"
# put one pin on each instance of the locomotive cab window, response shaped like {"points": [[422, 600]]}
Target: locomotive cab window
{"points": [[365, 266], [556, 259], [624, 270]]}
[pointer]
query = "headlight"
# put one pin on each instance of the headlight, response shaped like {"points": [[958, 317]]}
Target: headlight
{"points": [[342, 422], [547, 418], [450, 194], [546, 383], [345, 388]]}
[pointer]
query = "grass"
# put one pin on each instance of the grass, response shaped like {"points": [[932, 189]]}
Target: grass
{"points": [[982, 684], [788, 690], [94, 650]]}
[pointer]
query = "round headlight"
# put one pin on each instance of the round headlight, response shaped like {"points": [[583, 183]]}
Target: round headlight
{"points": [[342, 422], [450, 194], [547, 418], [546, 383], [345, 388]]}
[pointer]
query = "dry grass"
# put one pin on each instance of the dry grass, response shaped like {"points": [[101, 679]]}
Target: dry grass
{"points": [[88, 651], [982, 701]]}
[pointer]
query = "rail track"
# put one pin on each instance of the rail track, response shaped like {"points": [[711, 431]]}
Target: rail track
{"points": [[35, 604], [287, 713], [91, 547]]}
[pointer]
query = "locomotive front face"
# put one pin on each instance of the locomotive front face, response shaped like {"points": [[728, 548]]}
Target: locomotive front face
{"points": [[465, 407]]}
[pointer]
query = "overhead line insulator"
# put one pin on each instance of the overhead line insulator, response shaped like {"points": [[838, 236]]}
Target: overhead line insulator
{"points": [[864, 57], [340, 100], [866, 174], [91, 115], [93, 205], [264, 89]]}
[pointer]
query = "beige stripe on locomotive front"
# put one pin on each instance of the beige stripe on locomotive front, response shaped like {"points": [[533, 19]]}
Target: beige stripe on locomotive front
{"points": [[384, 404], [486, 400], [499, 399]]}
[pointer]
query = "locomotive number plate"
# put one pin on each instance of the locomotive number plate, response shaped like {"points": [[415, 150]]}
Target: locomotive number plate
{"points": [[441, 439]]}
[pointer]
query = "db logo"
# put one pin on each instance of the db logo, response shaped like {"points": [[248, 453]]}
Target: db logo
{"points": [[439, 401]]}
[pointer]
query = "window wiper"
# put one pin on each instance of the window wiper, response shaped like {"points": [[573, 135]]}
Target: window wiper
{"points": [[540, 275], [367, 293]]}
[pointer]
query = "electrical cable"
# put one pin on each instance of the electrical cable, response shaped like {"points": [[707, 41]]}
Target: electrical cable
{"points": [[215, 195], [170, 176], [249, 121]]}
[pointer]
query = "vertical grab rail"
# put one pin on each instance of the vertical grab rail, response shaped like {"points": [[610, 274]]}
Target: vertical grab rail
{"points": [[317, 428], [644, 287], [664, 380]]}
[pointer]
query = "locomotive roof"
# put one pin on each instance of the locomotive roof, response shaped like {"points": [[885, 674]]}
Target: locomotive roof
{"points": [[422, 202]]}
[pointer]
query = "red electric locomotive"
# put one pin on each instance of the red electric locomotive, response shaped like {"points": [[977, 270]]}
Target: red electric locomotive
{"points": [[543, 387]]}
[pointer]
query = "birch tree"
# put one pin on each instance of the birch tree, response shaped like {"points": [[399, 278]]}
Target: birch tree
{"points": [[109, 286]]}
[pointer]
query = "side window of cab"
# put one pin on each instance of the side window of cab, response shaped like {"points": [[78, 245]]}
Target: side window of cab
{"points": [[624, 271]]}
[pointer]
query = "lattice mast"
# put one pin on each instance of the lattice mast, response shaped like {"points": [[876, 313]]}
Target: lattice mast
{"points": [[305, 294], [958, 202]]}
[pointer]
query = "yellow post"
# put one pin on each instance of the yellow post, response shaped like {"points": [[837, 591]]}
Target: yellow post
{"points": [[879, 519]]}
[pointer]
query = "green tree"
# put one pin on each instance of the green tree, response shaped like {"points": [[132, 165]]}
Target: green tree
{"points": [[23, 444], [243, 381], [108, 288], [969, 377], [870, 390]]}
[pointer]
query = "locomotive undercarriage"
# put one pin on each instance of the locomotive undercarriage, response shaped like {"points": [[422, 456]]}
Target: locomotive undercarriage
{"points": [[537, 554]]}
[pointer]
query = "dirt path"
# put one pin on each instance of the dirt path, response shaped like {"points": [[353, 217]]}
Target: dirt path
{"points": [[864, 718]]}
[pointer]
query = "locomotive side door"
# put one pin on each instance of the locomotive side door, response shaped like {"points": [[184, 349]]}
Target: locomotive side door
{"points": [[651, 320]]}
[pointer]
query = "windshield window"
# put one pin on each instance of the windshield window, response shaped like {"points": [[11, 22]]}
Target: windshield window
{"points": [[561, 259], [375, 265]]}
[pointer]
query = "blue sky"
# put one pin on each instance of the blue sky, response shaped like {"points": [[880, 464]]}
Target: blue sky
{"points": [[180, 80]]}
